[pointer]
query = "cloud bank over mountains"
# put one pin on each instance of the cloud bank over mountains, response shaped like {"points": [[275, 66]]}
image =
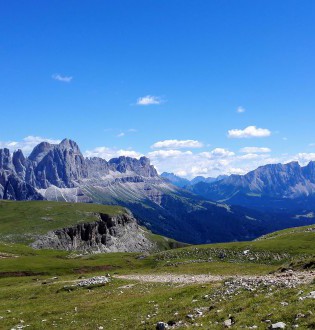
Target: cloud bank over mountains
{"points": [[196, 158]]}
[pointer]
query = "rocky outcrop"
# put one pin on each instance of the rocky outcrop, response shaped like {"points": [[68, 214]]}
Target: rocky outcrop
{"points": [[119, 233]]}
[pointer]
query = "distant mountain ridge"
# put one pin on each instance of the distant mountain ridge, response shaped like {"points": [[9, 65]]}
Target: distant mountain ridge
{"points": [[275, 186], [182, 182]]}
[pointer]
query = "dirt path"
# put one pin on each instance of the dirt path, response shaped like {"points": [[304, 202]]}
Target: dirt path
{"points": [[289, 279]]}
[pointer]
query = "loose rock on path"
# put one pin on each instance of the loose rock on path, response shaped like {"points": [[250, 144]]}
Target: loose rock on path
{"points": [[288, 279]]}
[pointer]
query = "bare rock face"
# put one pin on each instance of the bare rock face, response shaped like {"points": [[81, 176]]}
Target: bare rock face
{"points": [[60, 172], [59, 165], [119, 233], [12, 173], [141, 167]]}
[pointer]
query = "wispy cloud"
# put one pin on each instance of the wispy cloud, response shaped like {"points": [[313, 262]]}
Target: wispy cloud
{"points": [[249, 132], [128, 131], [177, 144], [59, 77], [255, 150], [149, 100], [240, 109], [27, 144]]}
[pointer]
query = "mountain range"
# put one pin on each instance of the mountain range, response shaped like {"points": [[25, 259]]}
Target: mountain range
{"points": [[59, 172], [281, 187], [182, 182]]}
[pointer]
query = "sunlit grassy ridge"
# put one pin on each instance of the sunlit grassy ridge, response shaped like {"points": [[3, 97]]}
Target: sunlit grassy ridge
{"points": [[22, 221]]}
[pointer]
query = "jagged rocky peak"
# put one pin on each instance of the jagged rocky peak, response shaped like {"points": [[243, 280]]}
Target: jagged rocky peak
{"points": [[5, 159], [62, 165], [140, 166], [40, 151], [59, 164], [20, 163], [70, 145]]}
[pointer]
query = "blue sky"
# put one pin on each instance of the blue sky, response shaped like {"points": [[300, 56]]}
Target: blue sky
{"points": [[89, 71]]}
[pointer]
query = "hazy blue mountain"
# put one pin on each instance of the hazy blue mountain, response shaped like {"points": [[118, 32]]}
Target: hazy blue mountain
{"points": [[198, 179], [276, 186], [182, 182], [175, 179]]}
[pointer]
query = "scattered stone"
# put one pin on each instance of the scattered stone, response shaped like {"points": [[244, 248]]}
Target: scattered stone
{"points": [[278, 325], [93, 281], [228, 323], [284, 303], [189, 316], [312, 295]]}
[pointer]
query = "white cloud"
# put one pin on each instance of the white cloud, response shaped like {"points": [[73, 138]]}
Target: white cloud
{"points": [[168, 153], [220, 152], [109, 153], [27, 144], [249, 156], [240, 110], [303, 158], [249, 132], [217, 152], [61, 78], [255, 150], [149, 100], [121, 134], [177, 144]]}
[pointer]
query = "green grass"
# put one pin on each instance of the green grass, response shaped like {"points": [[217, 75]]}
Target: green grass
{"points": [[141, 306], [22, 221], [29, 291]]}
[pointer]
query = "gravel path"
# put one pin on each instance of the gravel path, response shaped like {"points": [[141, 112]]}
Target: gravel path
{"points": [[289, 278], [172, 278]]}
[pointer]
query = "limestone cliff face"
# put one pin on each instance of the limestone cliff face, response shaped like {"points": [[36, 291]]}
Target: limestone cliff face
{"points": [[119, 233], [12, 178], [60, 169]]}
